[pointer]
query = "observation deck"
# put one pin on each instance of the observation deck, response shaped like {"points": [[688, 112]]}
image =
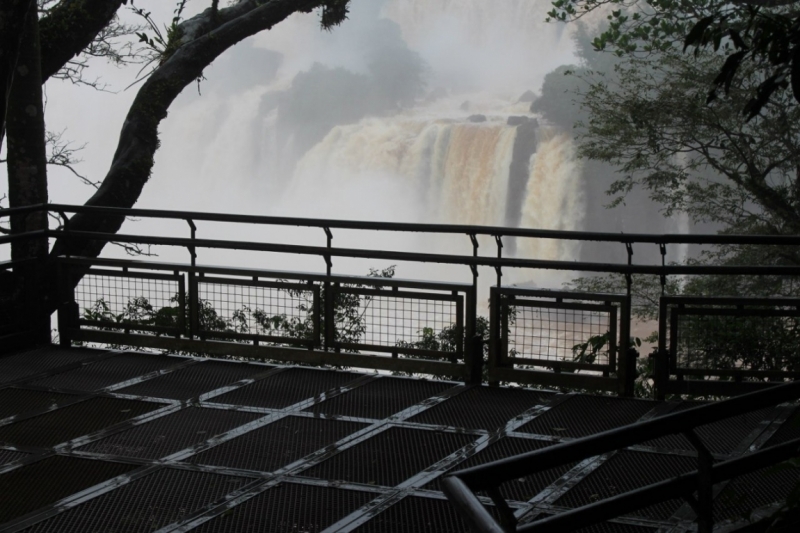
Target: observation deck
{"points": [[94, 440], [183, 396]]}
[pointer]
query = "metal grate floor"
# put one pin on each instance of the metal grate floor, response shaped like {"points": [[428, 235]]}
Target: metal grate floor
{"points": [[311, 450]]}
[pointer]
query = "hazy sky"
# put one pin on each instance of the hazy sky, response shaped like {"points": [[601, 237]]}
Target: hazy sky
{"points": [[462, 45]]}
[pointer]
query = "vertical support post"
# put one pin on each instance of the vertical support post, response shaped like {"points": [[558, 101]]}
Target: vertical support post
{"points": [[662, 355], [193, 236], [181, 318], [474, 268], [194, 307], [494, 332], [330, 315], [194, 318], [499, 240], [330, 332], [473, 358], [68, 311], [627, 357], [704, 505]]}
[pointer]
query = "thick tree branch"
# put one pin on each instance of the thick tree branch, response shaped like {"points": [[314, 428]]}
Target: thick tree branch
{"points": [[70, 27], [202, 40]]}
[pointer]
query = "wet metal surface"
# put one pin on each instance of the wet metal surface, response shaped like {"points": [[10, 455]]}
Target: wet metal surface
{"points": [[95, 440]]}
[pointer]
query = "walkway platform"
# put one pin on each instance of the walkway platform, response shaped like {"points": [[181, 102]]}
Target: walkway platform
{"points": [[119, 441]]}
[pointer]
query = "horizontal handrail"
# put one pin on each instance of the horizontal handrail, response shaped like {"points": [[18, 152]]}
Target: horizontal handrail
{"points": [[467, 260], [460, 486], [415, 227]]}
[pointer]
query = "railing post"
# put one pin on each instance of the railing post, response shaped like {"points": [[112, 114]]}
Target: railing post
{"points": [[68, 311], [194, 306], [494, 333], [661, 373], [704, 505], [627, 358], [330, 326]]}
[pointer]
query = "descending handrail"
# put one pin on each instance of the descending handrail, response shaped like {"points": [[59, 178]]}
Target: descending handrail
{"points": [[461, 486]]}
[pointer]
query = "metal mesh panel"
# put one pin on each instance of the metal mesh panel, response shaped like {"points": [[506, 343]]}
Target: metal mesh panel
{"points": [[169, 434], [107, 372], [132, 300], [277, 444], [8, 456], [286, 388], [721, 437], [279, 311], [384, 459], [420, 515], [391, 319], [757, 489], [585, 415], [380, 398], [32, 362], [544, 333], [627, 471], [15, 401], [482, 408], [523, 488], [45, 482], [288, 508], [742, 340], [144, 505], [194, 380], [73, 421]]}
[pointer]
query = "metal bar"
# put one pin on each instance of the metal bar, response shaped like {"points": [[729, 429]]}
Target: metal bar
{"points": [[397, 294], [276, 274], [423, 228], [552, 379], [563, 305], [469, 506], [442, 258], [716, 311], [208, 280], [563, 364], [392, 349], [564, 295], [134, 275]]}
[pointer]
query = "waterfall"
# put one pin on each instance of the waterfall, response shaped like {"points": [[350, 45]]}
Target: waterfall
{"points": [[414, 168], [553, 198]]}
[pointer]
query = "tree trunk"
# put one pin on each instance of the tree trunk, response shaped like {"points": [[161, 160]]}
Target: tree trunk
{"points": [[27, 159], [27, 184], [12, 20]]}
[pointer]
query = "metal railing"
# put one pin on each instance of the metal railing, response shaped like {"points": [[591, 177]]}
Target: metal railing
{"points": [[416, 326], [696, 487]]}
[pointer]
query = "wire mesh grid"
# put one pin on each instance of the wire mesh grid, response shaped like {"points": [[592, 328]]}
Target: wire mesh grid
{"points": [[559, 334], [729, 339], [129, 300], [399, 321], [267, 310]]}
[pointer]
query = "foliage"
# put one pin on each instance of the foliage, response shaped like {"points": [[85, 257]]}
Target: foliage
{"points": [[747, 34]]}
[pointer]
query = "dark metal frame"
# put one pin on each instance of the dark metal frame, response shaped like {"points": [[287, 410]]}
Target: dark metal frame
{"points": [[694, 487], [465, 363], [501, 364], [669, 376], [626, 372]]}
